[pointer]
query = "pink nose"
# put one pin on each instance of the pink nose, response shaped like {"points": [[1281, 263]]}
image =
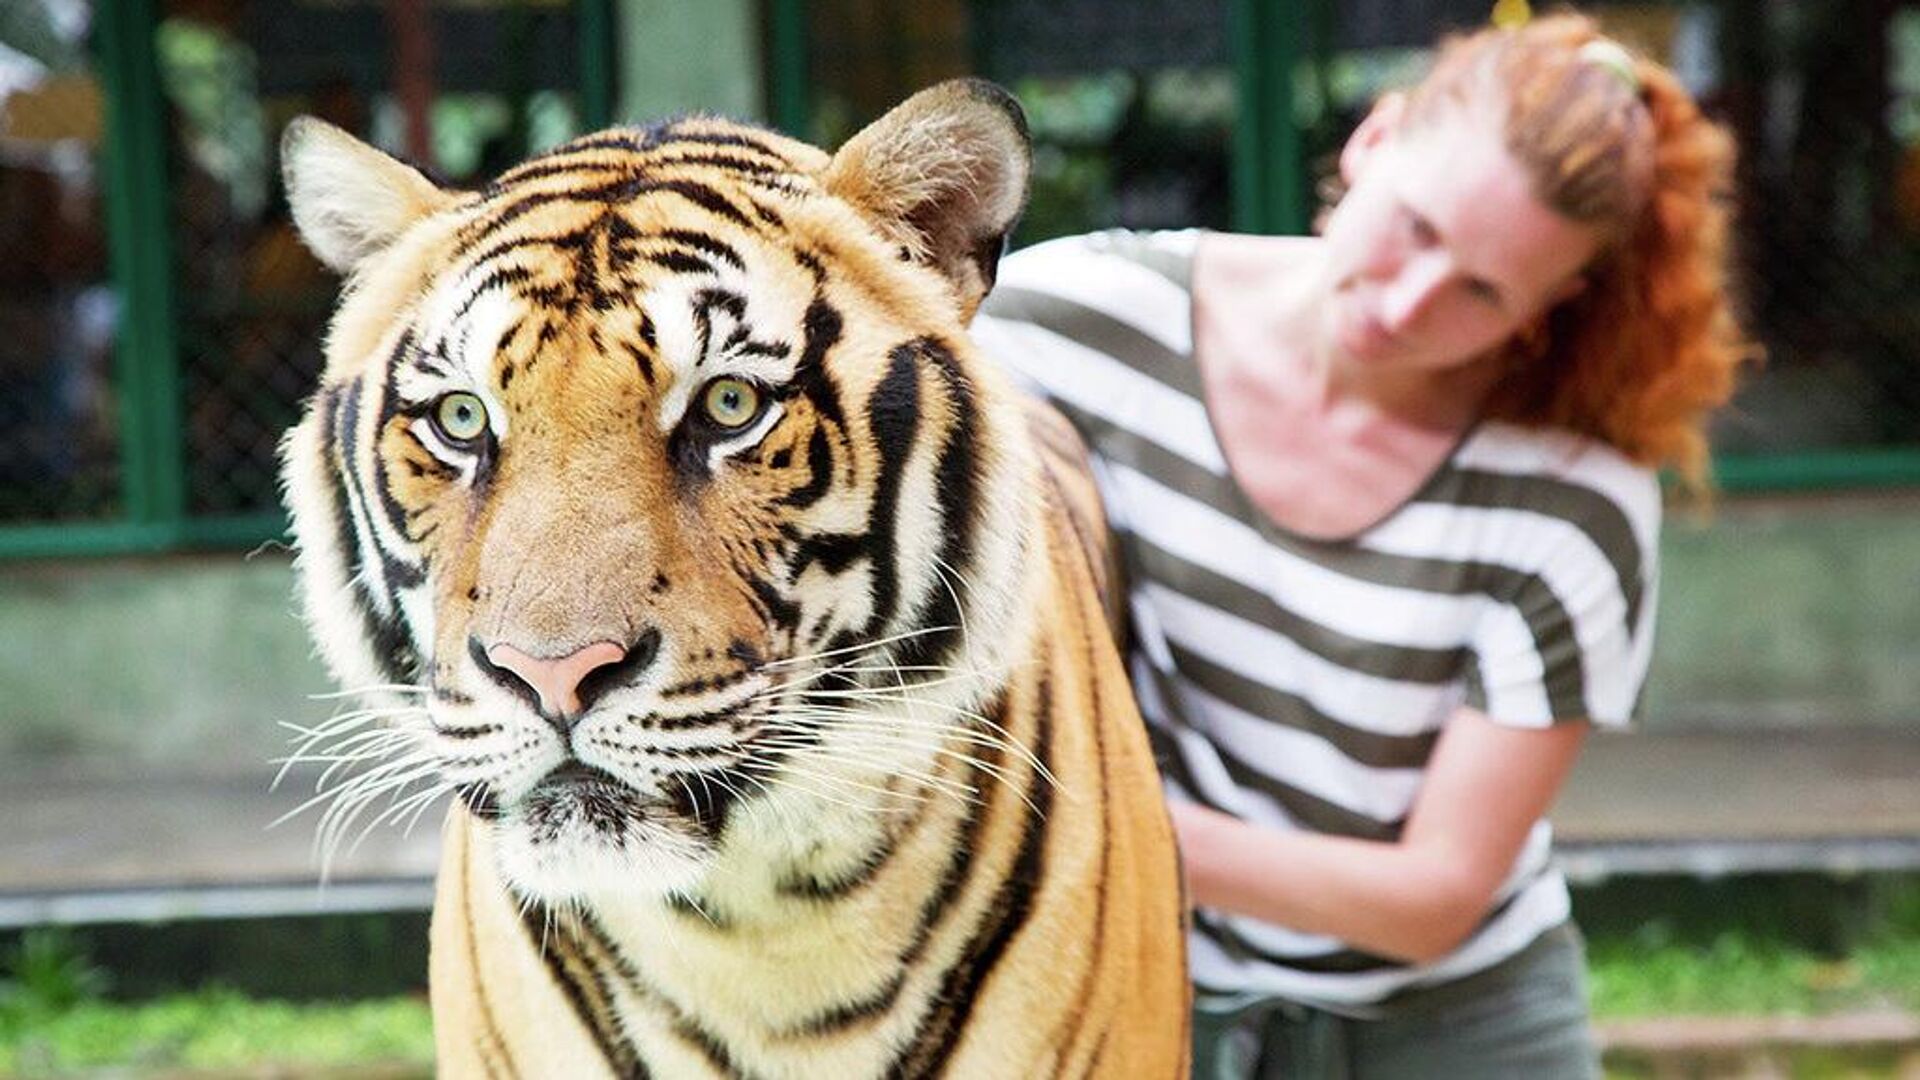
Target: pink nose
{"points": [[557, 681]]}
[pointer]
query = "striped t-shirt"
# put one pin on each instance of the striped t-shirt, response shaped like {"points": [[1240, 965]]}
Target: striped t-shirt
{"points": [[1302, 684]]}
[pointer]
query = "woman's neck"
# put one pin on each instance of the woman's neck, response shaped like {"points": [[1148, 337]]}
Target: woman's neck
{"points": [[1322, 446]]}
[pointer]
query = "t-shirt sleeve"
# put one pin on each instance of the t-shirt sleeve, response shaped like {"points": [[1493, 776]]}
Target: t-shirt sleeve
{"points": [[1006, 330], [1064, 311], [1569, 635]]}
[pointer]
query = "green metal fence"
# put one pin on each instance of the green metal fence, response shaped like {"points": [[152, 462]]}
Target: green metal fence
{"points": [[152, 134], [1145, 113]]}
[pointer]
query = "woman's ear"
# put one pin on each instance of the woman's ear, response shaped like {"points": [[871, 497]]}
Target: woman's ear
{"points": [[1371, 135]]}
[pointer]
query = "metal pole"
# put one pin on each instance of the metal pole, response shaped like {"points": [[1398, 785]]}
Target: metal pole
{"points": [[596, 21], [410, 28], [789, 103], [140, 253], [1269, 176]]}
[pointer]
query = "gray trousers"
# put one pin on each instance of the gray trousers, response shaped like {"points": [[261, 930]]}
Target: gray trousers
{"points": [[1522, 1019]]}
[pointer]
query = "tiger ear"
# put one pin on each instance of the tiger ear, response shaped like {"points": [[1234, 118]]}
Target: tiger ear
{"points": [[944, 175], [349, 200]]}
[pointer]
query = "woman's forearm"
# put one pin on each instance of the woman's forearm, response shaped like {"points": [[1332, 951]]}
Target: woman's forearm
{"points": [[1413, 899], [1389, 898]]}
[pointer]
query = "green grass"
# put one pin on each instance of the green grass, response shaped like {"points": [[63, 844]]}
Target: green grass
{"points": [[1740, 973], [211, 1030]]}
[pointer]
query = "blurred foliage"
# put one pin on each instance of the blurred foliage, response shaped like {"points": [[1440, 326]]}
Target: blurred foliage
{"points": [[1822, 914], [310, 958], [1135, 149], [1777, 943], [56, 1018], [46, 972]]}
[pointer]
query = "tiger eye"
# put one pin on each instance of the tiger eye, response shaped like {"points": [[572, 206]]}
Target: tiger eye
{"points": [[732, 403], [461, 417]]}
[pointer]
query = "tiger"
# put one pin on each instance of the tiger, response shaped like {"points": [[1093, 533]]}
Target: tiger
{"points": [[761, 631]]}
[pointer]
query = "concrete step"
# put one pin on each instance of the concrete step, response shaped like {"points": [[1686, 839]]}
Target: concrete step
{"points": [[1841, 800], [1880, 1044], [83, 847]]}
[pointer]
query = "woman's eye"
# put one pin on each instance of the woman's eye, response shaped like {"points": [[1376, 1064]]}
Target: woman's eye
{"points": [[1484, 291], [461, 418], [1421, 230], [731, 403]]}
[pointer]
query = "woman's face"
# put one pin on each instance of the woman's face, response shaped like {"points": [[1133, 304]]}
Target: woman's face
{"points": [[1440, 250]]}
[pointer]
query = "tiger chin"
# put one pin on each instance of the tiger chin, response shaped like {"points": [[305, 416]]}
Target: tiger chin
{"points": [[762, 630]]}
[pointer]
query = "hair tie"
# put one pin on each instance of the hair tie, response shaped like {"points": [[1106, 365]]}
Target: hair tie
{"points": [[1615, 60], [1511, 14]]}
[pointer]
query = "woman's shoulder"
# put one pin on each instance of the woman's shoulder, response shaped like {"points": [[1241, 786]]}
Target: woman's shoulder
{"points": [[1167, 254], [1527, 467], [1111, 291]]}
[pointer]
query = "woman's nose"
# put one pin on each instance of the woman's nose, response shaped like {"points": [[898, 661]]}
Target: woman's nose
{"points": [[1412, 291]]}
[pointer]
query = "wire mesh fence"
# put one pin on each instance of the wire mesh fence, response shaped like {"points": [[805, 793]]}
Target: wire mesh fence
{"points": [[253, 302], [248, 303], [59, 445]]}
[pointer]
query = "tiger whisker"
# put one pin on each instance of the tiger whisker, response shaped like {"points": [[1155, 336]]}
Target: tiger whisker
{"points": [[801, 684], [839, 753], [372, 688], [855, 716], [842, 718], [371, 782], [943, 569], [881, 695], [326, 776], [354, 718], [340, 817], [876, 690], [349, 737], [366, 745], [347, 721], [789, 777], [826, 718], [1012, 743], [400, 808], [865, 646], [407, 830]]}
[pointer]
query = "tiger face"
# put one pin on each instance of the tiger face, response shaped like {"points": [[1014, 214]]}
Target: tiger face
{"points": [[648, 468]]}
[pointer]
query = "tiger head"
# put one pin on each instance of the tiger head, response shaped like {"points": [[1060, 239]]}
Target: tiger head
{"points": [[658, 479]]}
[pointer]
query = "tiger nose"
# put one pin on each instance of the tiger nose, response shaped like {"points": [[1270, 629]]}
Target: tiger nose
{"points": [[563, 684]]}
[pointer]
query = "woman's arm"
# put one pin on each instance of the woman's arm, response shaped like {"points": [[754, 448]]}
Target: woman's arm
{"points": [[1414, 899]]}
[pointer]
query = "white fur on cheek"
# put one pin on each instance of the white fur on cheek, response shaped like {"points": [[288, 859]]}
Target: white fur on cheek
{"points": [[325, 588]]}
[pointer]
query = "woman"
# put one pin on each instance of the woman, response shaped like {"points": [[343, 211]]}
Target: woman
{"points": [[1386, 505]]}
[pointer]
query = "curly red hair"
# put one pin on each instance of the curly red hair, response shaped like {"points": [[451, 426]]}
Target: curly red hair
{"points": [[1641, 355]]}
